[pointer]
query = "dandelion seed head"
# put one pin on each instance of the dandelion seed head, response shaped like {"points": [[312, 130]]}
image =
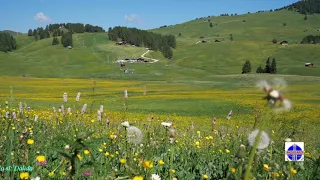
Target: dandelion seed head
{"points": [[125, 124], [78, 97], [134, 135], [264, 140]]}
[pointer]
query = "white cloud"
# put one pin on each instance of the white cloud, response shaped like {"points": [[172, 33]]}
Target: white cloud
{"points": [[133, 18], [42, 17]]}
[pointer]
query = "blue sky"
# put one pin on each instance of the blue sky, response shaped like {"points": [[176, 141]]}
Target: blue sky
{"points": [[21, 15]]}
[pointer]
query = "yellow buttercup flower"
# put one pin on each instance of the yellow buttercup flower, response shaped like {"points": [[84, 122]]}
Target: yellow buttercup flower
{"points": [[266, 167], [41, 158], [160, 162], [24, 175], [51, 174], [147, 164], [107, 154], [123, 160], [227, 151], [205, 176], [30, 141], [79, 157], [138, 178], [233, 170], [86, 152], [293, 171]]}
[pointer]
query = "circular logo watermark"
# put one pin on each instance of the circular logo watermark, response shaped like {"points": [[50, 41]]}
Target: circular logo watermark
{"points": [[294, 151]]}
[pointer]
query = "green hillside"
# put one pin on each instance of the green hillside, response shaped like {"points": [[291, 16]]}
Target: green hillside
{"points": [[13, 33], [252, 34], [41, 59]]}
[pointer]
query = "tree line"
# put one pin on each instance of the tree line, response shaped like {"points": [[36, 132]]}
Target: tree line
{"points": [[304, 7], [271, 67], [7, 42], [142, 38], [310, 39]]}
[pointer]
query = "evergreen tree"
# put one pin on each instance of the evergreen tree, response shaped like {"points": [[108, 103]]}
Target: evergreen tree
{"points": [[259, 70], [66, 39], [246, 67], [7, 42], [211, 25], [273, 68], [267, 69], [30, 32], [36, 37], [55, 41], [167, 52], [34, 33], [305, 17]]}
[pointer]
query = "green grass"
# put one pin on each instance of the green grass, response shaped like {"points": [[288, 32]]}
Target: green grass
{"points": [[252, 42]]}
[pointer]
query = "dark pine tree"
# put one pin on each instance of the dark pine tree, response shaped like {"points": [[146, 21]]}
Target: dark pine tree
{"points": [[30, 32], [267, 69], [66, 39], [211, 25], [246, 67], [273, 68], [259, 70], [55, 41]]}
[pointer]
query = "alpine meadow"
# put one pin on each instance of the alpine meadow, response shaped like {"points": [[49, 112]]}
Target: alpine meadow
{"points": [[216, 97]]}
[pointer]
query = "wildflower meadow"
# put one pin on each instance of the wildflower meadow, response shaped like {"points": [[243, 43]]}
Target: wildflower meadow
{"points": [[95, 129]]}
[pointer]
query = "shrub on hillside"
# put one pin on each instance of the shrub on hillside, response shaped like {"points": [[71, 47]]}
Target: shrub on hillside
{"points": [[246, 67]]}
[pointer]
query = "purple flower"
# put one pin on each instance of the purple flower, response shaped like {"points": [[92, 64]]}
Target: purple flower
{"points": [[86, 173], [43, 163]]}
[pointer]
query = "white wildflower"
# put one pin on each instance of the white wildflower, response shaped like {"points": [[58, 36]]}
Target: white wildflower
{"points": [[264, 140], [229, 115], [36, 118], [78, 97], [288, 140], [14, 116], [54, 110], [101, 108], [125, 94], [125, 124], [99, 115], [20, 107], [166, 124], [7, 114], [36, 178], [134, 135], [155, 177], [29, 109], [65, 97], [84, 109], [275, 94], [69, 110], [67, 147]]}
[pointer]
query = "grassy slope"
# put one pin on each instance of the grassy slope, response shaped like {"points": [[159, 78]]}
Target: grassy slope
{"points": [[252, 42], [41, 59]]}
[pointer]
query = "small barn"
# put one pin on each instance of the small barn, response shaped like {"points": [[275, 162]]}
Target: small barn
{"points": [[284, 43], [121, 43], [308, 64]]}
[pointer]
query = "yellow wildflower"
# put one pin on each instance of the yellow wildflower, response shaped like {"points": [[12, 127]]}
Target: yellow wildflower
{"points": [[233, 170], [41, 158], [100, 150], [30, 141], [293, 171], [117, 152], [123, 160], [198, 132], [51, 174], [205, 176], [107, 154], [138, 178], [86, 152], [227, 151], [197, 143], [160, 162], [147, 164], [63, 173], [80, 157], [266, 167], [172, 171], [24, 175]]}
